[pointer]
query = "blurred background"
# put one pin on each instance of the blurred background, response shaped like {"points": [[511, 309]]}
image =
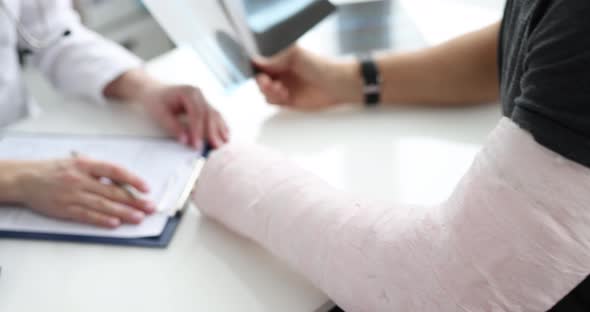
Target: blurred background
{"points": [[359, 26], [130, 24]]}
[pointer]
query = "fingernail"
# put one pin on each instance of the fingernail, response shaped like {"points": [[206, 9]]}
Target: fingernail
{"points": [[183, 139], [142, 187], [198, 145], [151, 207], [137, 216], [114, 222]]}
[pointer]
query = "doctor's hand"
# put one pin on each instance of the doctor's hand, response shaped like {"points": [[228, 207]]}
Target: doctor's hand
{"points": [[70, 189], [184, 112], [181, 110], [301, 80]]}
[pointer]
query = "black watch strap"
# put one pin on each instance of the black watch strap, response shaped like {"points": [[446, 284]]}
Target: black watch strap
{"points": [[372, 81]]}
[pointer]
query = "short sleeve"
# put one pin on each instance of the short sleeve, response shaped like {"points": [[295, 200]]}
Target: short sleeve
{"points": [[554, 104]]}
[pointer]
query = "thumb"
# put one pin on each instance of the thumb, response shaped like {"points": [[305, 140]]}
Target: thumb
{"points": [[276, 64]]}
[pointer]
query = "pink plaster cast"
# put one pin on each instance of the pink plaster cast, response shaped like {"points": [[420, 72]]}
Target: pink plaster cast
{"points": [[514, 236]]}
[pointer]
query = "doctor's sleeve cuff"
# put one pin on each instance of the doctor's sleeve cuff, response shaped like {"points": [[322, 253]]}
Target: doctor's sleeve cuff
{"points": [[116, 65]]}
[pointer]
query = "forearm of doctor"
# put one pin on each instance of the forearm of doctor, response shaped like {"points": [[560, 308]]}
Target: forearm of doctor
{"points": [[461, 71], [10, 175], [129, 86]]}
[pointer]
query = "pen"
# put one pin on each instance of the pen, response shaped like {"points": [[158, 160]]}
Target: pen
{"points": [[128, 189]]}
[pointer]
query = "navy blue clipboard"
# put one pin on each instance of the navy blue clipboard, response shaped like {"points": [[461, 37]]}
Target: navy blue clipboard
{"points": [[161, 241]]}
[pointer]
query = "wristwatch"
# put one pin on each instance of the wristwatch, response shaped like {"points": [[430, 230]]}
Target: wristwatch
{"points": [[371, 79]]}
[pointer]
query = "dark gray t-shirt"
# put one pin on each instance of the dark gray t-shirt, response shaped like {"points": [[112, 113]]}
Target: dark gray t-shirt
{"points": [[544, 60], [545, 72]]}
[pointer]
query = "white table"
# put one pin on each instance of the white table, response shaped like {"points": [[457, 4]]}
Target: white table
{"points": [[402, 154]]}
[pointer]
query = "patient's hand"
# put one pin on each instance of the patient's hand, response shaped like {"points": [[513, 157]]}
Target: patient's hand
{"points": [[298, 79]]}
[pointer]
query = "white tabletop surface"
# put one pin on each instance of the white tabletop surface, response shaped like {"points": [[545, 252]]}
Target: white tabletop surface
{"points": [[402, 154]]}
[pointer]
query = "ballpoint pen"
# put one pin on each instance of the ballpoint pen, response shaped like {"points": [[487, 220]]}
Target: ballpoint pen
{"points": [[128, 189]]}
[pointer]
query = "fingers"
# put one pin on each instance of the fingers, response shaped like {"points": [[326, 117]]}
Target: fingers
{"points": [[271, 70], [213, 135], [217, 131], [195, 107], [174, 126], [112, 172], [189, 117], [224, 130], [274, 91], [276, 64], [118, 195], [109, 208], [83, 215]]}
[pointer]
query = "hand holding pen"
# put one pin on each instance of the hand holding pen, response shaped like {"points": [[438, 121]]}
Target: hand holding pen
{"points": [[75, 189]]}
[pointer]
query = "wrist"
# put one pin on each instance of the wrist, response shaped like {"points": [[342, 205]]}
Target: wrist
{"points": [[13, 181], [348, 82], [131, 86], [341, 78]]}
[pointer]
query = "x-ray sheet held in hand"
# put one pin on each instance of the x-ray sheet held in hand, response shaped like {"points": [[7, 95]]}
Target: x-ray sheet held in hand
{"points": [[227, 34]]}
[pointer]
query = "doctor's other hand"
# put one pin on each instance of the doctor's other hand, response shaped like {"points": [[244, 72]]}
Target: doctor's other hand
{"points": [[301, 80], [71, 189], [181, 110], [184, 112]]}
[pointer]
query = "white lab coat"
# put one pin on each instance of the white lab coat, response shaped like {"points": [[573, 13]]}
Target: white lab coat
{"points": [[81, 64]]}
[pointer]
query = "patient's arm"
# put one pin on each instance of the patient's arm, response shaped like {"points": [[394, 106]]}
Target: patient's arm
{"points": [[514, 236], [461, 71]]}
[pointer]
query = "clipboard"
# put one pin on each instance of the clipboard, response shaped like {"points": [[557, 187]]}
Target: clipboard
{"points": [[159, 241]]}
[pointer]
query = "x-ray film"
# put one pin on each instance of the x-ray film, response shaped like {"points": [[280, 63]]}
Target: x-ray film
{"points": [[227, 33]]}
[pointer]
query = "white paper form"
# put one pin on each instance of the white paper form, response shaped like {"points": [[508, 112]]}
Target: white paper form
{"points": [[165, 165]]}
